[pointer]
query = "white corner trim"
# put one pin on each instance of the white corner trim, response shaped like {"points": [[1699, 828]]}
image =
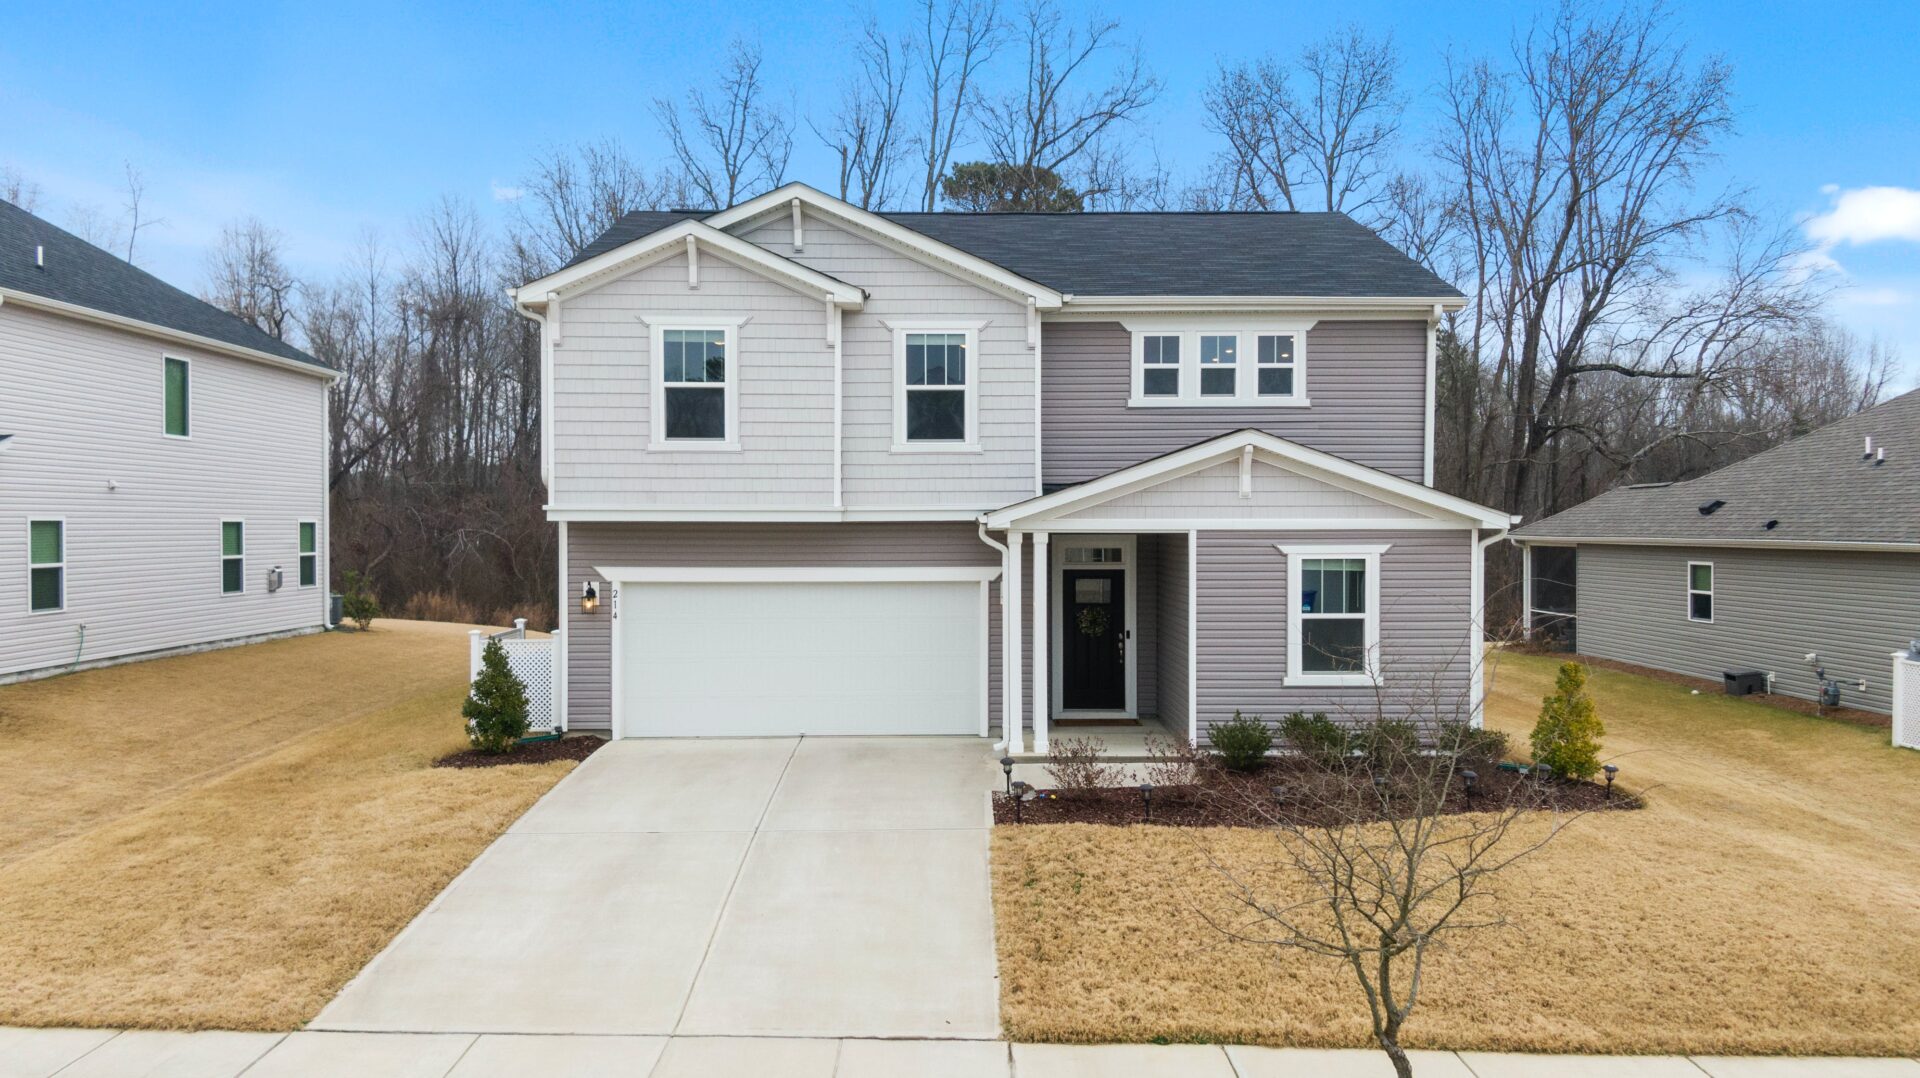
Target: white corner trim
{"points": [[931, 574]]}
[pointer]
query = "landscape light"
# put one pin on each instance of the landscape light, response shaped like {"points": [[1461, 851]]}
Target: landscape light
{"points": [[1006, 766], [1611, 770], [1469, 777], [1146, 798]]}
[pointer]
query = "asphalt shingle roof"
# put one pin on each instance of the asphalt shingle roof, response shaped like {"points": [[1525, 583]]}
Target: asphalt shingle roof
{"points": [[1154, 254], [1816, 486], [79, 273]]}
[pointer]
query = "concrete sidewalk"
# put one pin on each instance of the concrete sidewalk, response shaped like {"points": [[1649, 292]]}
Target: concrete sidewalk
{"points": [[79, 1053]]}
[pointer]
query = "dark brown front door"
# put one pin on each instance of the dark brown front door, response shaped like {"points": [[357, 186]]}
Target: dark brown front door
{"points": [[1093, 634]]}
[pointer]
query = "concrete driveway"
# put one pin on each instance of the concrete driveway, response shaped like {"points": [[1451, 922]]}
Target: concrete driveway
{"points": [[821, 887]]}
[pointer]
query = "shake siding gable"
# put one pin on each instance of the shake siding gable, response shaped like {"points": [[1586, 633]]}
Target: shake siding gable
{"points": [[602, 394], [901, 288], [1424, 620], [1213, 493], [1366, 381], [86, 406]]}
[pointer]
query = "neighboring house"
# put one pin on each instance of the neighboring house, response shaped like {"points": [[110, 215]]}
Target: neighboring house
{"points": [[163, 465], [805, 460], [1812, 547]]}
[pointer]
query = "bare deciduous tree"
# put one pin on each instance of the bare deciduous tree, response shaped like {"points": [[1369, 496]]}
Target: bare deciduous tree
{"points": [[17, 189], [573, 195], [248, 278], [731, 144], [957, 38], [1049, 123], [136, 197], [867, 132]]}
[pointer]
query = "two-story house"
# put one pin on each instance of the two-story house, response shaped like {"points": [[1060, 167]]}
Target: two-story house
{"points": [[821, 470], [163, 465]]}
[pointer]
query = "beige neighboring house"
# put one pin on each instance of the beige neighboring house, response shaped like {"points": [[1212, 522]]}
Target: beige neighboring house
{"points": [[163, 465]]}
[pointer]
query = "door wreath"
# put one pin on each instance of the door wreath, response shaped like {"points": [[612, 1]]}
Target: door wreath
{"points": [[1093, 621]]}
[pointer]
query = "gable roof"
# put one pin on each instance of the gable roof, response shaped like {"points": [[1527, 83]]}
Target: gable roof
{"points": [[1246, 255], [677, 236], [76, 274], [1283, 452], [1816, 487]]}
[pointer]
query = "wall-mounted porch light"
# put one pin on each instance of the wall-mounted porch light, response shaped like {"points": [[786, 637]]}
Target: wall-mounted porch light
{"points": [[589, 597]]}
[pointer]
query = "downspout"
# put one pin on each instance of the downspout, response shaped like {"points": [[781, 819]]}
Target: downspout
{"points": [[1000, 745], [1477, 636]]}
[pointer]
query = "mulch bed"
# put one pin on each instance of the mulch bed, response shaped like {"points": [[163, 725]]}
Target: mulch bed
{"points": [[539, 752], [1852, 716], [1224, 798]]}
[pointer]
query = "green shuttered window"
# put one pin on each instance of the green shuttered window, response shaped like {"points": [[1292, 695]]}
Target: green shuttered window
{"points": [[309, 554], [233, 560], [47, 562], [176, 393]]}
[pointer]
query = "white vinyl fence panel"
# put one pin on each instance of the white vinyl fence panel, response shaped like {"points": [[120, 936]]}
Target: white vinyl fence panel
{"points": [[535, 661], [1906, 700]]}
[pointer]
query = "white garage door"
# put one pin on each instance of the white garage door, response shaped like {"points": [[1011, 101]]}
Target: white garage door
{"points": [[757, 659]]}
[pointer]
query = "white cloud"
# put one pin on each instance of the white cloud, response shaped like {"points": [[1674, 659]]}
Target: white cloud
{"points": [[1867, 215], [506, 193], [1874, 297]]}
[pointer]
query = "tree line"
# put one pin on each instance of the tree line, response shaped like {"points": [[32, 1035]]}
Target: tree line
{"points": [[1624, 322]]}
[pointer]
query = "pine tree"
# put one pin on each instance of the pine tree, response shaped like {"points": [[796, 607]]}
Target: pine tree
{"points": [[496, 709], [1567, 736]]}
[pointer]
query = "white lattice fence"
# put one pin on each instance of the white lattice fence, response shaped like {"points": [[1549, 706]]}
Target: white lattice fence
{"points": [[1906, 701], [534, 662]]}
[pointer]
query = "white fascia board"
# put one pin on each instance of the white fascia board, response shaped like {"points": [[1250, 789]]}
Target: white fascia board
{"points": [[1710, 544], [135, 325], [1423, 306], [825, 574], [1182, 525], [772, 515], [916, 243], [636, 252], [1291, 455]]}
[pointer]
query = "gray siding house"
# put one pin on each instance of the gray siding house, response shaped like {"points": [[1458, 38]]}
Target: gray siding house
{"points": [[1810, 548], [821, 470], [163, 480]]}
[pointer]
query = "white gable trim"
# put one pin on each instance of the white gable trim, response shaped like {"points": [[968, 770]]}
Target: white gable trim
{"points": [[916, 244], [1292, 456], [688, 236]]}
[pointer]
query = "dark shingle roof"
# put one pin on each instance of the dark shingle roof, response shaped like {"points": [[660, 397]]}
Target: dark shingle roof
{"points": [[79, 273], [1154, 254], [1816, 486]]}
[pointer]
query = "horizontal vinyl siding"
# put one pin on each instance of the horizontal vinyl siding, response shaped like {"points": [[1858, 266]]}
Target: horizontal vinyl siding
{"points": [[1770, 607], [84, 404], [602, 394], [1366, 379], [1425, 587], [1169, 571], [1214, 494], [589, 673], [899, 287]]}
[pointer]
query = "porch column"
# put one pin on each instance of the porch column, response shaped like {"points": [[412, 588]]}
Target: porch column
{"points": [[1042, 661], [1010, 638]]}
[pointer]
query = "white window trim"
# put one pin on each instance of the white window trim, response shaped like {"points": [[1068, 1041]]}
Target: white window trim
{"points": [[1713, 604], [1370, 638], [188, 364], [1246, 368], [221, 541], [971, 389], [60, 565], [657, 441], [299, 555]]}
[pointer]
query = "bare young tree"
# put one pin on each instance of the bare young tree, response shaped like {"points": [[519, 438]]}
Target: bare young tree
{"points": [[1049, 123], [957, 38], [572, 195], [17, 189], [867, 132], [730, 144], [136, 196], [1322, 144], [248, 278]]}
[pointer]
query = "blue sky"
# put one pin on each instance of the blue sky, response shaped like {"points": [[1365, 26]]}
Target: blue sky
{"points": [[330, 120]]}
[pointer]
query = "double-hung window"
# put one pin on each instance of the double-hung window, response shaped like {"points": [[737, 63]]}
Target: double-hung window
{"points": [[1198, 364], [935, 404], [174, 379], [1699, 591], [233, 557], [695, 384], [309, 554], [46, 565], [1333, 615]]}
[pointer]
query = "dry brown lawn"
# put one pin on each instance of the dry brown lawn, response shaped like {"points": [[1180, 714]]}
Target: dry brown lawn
{"points": [[1767, 901], [222, 840]]}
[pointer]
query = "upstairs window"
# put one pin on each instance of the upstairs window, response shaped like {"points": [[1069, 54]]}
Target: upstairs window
{"points": [[1160, 363], [1252, 365], [309, 554], [1275, 365], [696, 383], [1699, 591], [1219, 354], [46, 565], [934, 394], [233, 557], [174, 380]]}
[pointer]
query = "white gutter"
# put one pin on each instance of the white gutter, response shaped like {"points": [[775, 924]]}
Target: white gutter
{"points": [[135, 325], [1421, 304], [546, 392], [1731, 544]]}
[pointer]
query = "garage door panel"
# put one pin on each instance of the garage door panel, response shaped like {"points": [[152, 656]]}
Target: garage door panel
{"points": [[757, 659]]}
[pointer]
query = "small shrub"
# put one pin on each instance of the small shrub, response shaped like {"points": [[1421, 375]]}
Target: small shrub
{"points": [[357, 601], [1074, 763], [1385, 742], [1473, 744], [1172, 761], [496, 708], [1315, 737], [1567, 735], [1241, 742]]}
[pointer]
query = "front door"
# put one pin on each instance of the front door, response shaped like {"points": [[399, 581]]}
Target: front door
{"points": [[1093, 640]]}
